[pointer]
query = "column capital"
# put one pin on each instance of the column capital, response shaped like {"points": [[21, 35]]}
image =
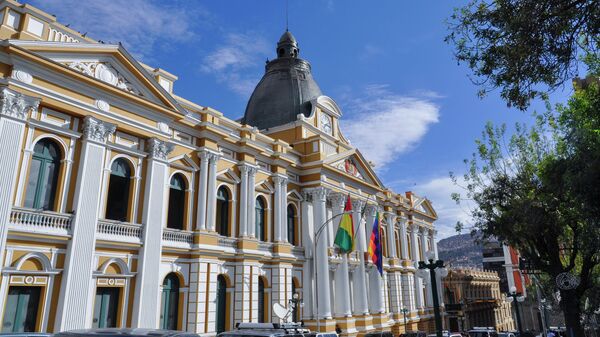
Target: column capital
{"points": [[413, 227], [371, 209], [16, 105], [337, 199], [317, 193], [97, 130], [159, 149], [357, 204], [423, 231], [279, 179]]}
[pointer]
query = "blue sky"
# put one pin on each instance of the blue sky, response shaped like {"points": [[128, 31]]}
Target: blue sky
{"points": [[407, 104]]}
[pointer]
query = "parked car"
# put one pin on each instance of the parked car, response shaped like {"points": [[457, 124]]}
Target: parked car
{"points": [[272, 330], [414, 334], [506, 334], [483, 332], [125, 332], [447, 334]]}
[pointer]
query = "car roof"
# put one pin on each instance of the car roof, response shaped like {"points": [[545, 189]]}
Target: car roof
{"points": [[125, 332]]}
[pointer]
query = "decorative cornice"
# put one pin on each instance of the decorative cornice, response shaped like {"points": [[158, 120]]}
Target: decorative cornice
{"points": [[16, 105], [97, 130], [159, 149]]}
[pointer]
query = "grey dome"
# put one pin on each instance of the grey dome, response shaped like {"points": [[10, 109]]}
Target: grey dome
{"points": [[284, 91]]}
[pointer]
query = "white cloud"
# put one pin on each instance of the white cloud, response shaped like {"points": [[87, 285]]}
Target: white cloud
{"points": [[232, 62], [370, 51], [383, 125], [141, 25], [439, 191]]}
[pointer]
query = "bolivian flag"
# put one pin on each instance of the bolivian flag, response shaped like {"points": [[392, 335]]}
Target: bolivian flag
{"points": [[344, 238], [374, 249]]}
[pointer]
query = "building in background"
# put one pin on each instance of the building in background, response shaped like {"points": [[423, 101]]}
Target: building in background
{"points": [[473, 299], [125, 205]]}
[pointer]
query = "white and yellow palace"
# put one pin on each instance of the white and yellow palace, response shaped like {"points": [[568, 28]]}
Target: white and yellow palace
{"points": [[124, 205]]}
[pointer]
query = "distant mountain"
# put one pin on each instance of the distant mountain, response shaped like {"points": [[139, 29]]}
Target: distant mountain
{"points": [[461, 251]]}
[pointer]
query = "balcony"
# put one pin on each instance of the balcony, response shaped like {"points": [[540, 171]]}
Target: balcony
{"points": [[40, 222], [111, 230], [177, 238], [230, 244]]}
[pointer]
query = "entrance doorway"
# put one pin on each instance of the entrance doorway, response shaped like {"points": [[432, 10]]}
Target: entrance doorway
{"points": [[20, 313], [170, 303], [106, 307]]}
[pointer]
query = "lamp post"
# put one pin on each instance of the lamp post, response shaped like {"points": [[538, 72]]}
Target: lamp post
{"points": [[514, 296], [404, 312], [432, 266], [294, 303]]}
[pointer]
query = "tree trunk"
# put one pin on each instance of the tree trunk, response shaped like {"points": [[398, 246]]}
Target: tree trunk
{"points": [[572, 313]]}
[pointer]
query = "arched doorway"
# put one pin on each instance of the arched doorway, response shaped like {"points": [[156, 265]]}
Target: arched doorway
{"points": [[221, 303], [169, 313], [262, 301]]}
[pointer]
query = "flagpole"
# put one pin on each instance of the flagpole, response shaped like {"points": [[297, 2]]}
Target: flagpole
{"points": [[317, 235]]}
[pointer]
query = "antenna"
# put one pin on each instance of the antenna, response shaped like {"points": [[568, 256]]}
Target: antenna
{"points": [[281, 312], [287, 16]]}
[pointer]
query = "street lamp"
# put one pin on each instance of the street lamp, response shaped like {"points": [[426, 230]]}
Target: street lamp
{"points": [[514, 296], [294, 303], [432, 266], [404, 312]]}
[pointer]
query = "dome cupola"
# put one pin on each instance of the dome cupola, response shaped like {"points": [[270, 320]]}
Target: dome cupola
{"points": [[285, 90]]}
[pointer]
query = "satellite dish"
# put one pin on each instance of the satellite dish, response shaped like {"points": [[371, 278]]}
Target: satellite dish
{"points": [[280, 311]]}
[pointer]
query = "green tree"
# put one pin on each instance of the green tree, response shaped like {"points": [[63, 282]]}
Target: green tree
{"points": [[524, 47], [539, 191]]}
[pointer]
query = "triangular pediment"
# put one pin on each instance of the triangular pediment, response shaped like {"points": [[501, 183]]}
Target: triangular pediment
{"points": [[229, 176], [352, 163], [109, 64], [183, 162], [423, 205], [265, 186]]}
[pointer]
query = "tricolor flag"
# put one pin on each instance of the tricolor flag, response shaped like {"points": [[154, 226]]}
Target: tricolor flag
{"points": [[374, 249], [344, 238]]}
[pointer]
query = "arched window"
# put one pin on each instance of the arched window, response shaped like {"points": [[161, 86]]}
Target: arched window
{"points": [[176, 202], [118, 190], [409, 247], [223, 211], [43, 175], [262, 301], [398, 244], [21, 313], [259, 219], [221, 303], [384, 245], [291, 225], [169, 313]]}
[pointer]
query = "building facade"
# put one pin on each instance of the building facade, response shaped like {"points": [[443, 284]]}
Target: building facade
{"points": [[473, 299], [125, 205]]}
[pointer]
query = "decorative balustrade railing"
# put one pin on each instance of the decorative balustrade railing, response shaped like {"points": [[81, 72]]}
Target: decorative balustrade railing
{"points": [[31, 220], [119, 231], [177, 237], [228, 242]]}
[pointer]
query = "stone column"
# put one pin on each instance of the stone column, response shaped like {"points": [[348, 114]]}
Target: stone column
{"points": [[307, 242], [14, 111], [251, 201], [146, 302], [279, 222], [342, 280], [359, 277], [202, 188], [403, 232], [319, 198], [390, 219], [428, 292], [75, 300], [211, 199], [376, 300], [243, 201], [418, 281], [283, 213]]}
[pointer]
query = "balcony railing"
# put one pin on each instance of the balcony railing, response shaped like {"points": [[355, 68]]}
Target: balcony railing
{"points": [[46, 222], [111, 230], [228, 242], [177, 238]]}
